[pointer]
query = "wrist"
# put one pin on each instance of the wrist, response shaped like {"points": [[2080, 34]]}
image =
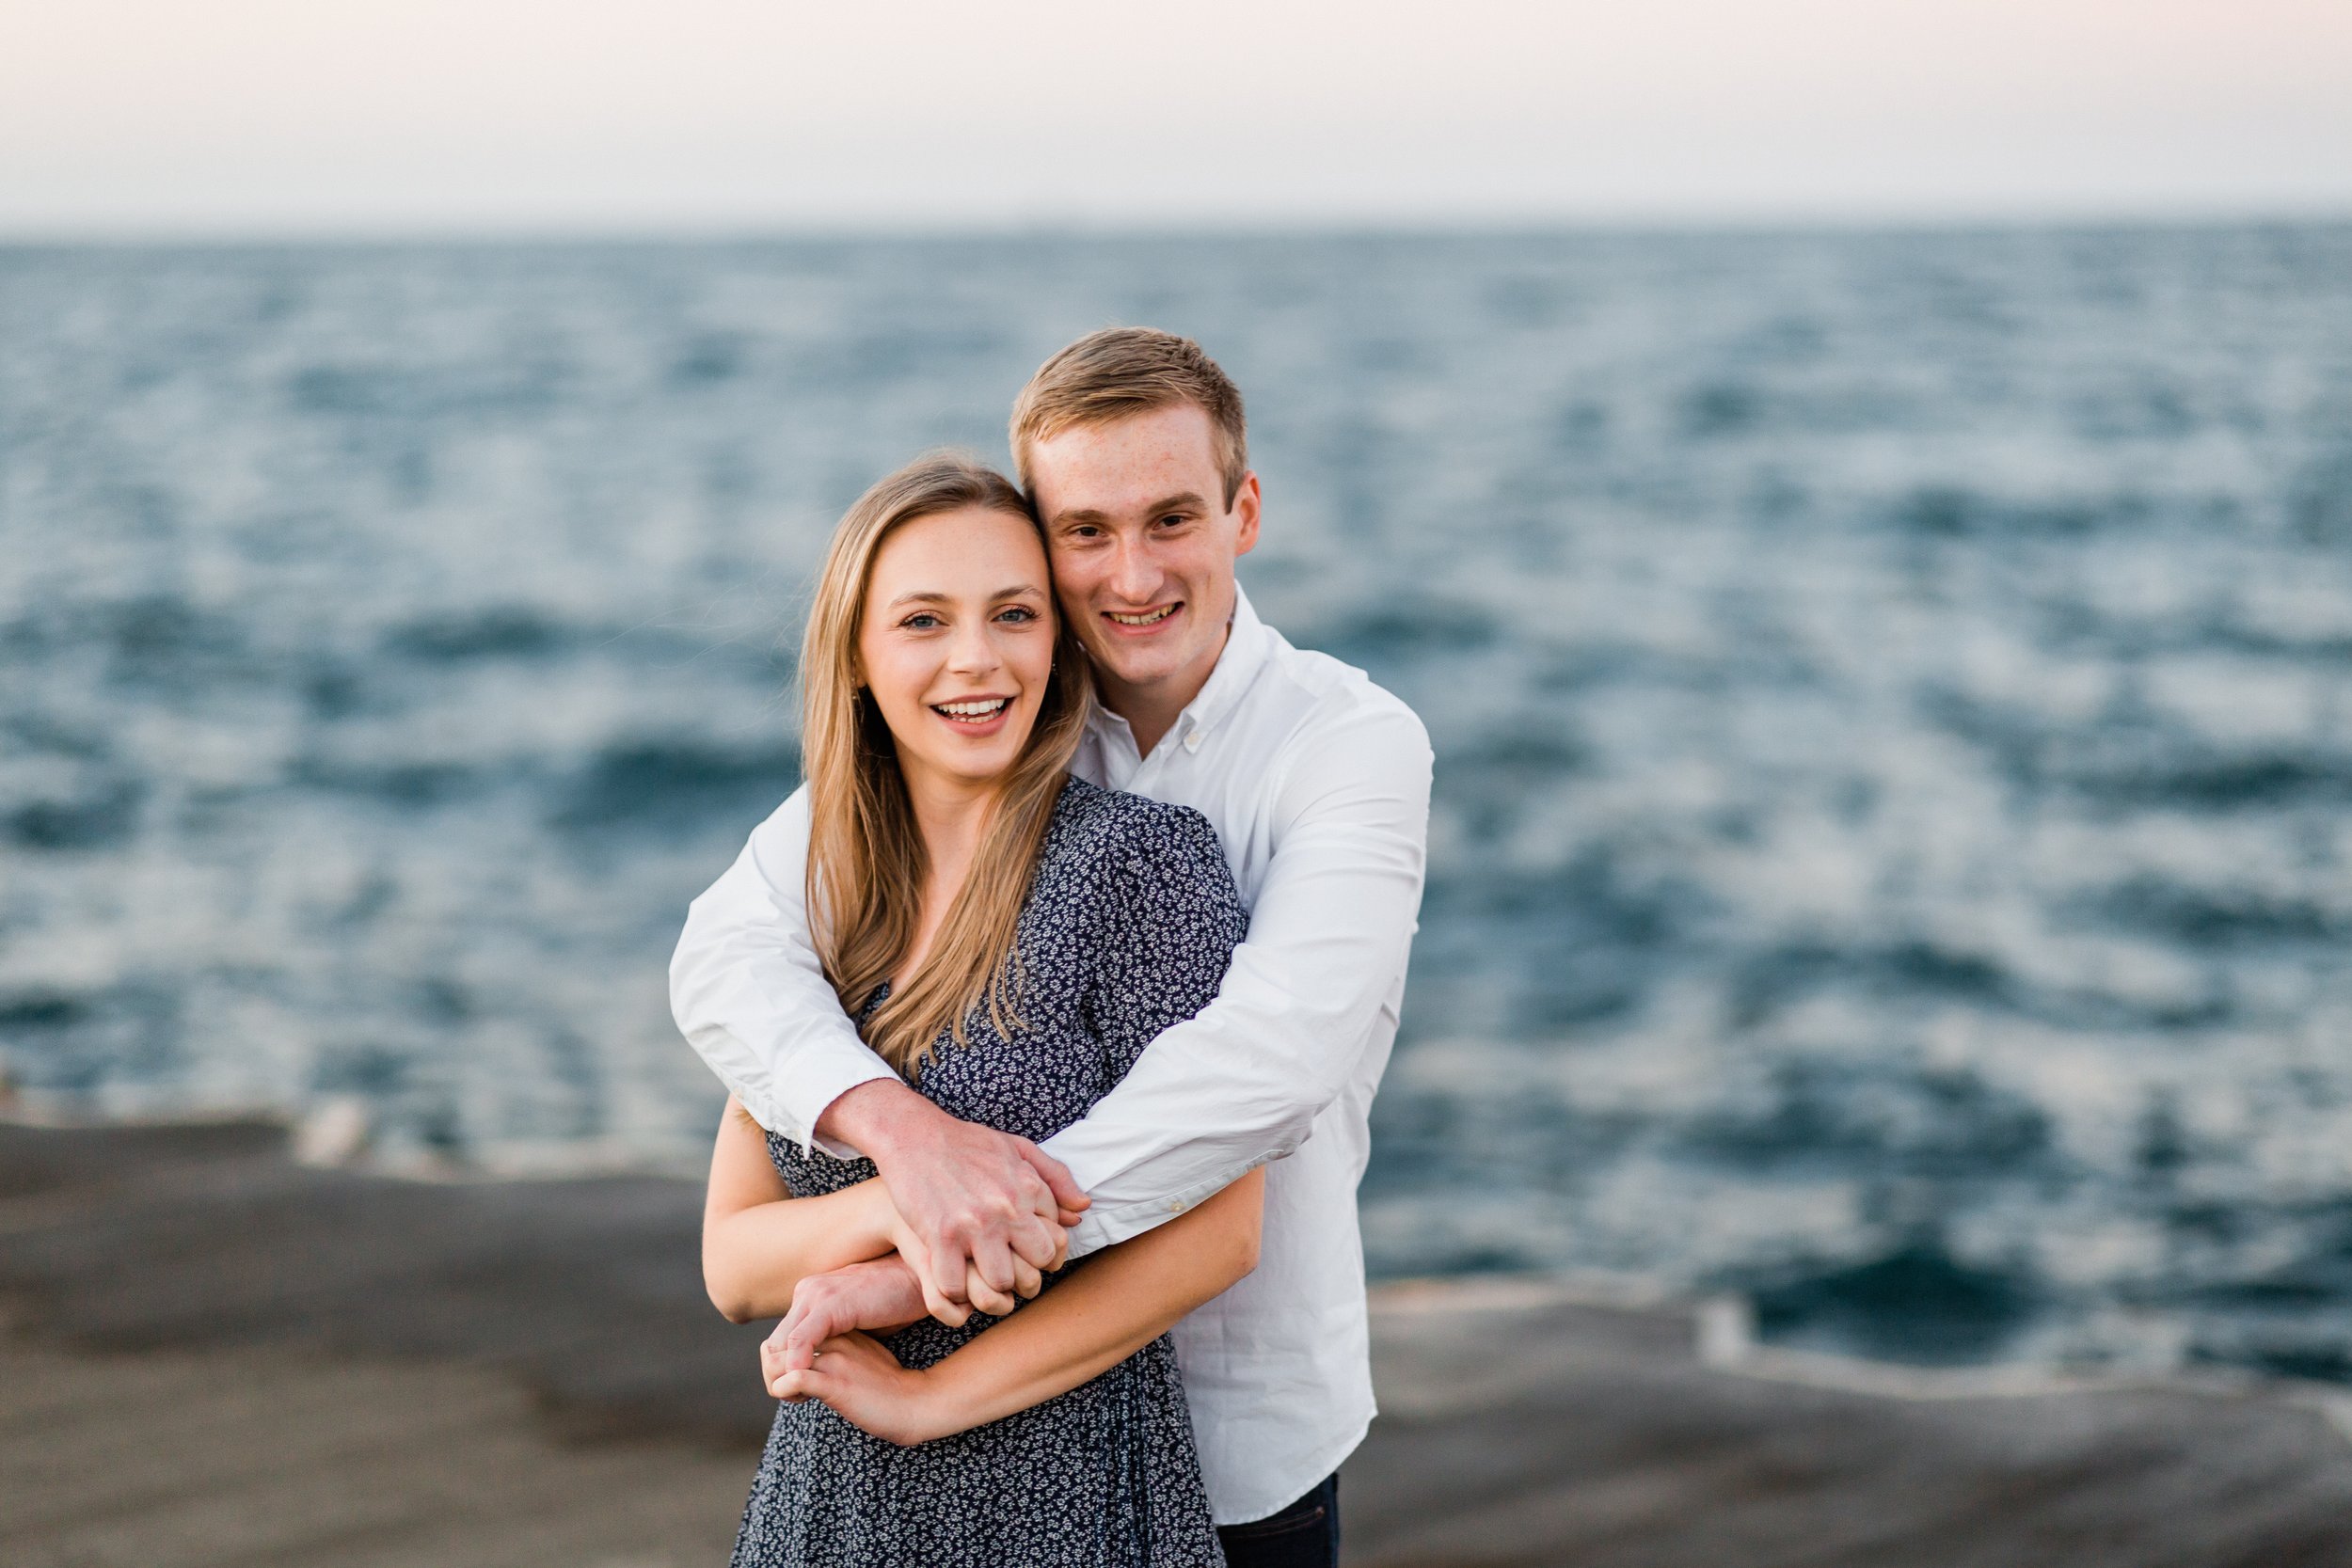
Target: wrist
{"points": [[878, 1220], [935, 1411], [877, 1118]]}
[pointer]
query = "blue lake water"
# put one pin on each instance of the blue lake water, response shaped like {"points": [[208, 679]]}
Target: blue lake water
{"points": [[1891, 851]]}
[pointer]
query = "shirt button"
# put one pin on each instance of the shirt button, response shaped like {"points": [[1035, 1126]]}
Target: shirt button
{"points": [[1192, 740]]}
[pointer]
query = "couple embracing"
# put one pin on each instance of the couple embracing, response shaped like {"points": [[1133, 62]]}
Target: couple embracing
{"points": [[1052, 1007]]}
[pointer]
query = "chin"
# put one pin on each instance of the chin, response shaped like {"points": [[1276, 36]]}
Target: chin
{"points": [[1124, 661], [974, 770], [1159, 667]]}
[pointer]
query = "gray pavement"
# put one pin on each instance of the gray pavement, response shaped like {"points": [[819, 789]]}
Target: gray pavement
{"points": [[217, 1356]]}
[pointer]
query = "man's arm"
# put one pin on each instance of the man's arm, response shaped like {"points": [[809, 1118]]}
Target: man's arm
{"points": [[1242, 1083], [751, 996]]}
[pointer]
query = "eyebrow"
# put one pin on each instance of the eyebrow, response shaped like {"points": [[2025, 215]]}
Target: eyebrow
{"points": [[933, 595], [1183, 500]]}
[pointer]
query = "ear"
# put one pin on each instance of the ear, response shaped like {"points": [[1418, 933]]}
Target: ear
{"points": [[1245, 507]]}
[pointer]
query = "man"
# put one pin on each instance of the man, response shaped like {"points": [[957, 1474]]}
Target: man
{"points": [[1132, 445]]}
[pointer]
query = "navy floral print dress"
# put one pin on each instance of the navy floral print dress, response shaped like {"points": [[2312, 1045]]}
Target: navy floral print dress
{"points": [[1130, 922]]}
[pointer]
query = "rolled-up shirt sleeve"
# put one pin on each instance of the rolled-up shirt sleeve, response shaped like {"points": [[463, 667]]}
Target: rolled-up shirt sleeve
{"points": [[1241, 1083], [751, 997]]}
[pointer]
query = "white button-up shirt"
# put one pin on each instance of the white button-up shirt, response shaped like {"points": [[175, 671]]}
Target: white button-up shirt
{"points": [[1317, 783]]}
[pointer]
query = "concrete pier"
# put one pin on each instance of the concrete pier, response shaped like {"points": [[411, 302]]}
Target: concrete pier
{"points": [[216, 1355]]}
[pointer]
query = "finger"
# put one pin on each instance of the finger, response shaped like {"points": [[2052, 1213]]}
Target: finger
{"points": [[1035, 1241], [1065, 1187], [800, 1350], [795, 1387], [991, 1262], [945, 1277], [1026, 1281], [1061, 1253], [817, 1315], [955, 1314], [1037, 1195], [1068, 1216], [790, 1329], [988, 1298], [935, 1301], [991, 1301]]}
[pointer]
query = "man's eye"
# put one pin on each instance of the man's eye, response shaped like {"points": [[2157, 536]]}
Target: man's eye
{"points": [[1173, 519]]}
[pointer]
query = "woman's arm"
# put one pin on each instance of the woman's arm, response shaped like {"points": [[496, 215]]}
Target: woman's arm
{"points": [[1111, 1306], [760, 1241]]}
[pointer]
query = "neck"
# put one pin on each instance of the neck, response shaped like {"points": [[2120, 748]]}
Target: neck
{"points": [[950, 814], [1151, 710]]}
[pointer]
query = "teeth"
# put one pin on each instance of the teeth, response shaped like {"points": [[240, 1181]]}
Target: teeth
{"points": [[1141, 620], [972, 710]]}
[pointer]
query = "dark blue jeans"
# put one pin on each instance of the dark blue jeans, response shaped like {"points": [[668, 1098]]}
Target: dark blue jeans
{"points": [[1304, 1535]]}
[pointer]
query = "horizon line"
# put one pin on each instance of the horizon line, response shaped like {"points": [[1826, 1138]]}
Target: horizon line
{"points": [[611, 230]]}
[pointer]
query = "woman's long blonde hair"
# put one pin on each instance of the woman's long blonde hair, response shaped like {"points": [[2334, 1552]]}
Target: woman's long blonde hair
{"points": [[867, 862]]}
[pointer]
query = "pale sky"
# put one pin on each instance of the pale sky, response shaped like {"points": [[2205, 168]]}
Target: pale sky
{"points": [[276, 117]]}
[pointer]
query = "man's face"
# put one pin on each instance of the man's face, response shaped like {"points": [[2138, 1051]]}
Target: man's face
{"points": [[1143, 545]]}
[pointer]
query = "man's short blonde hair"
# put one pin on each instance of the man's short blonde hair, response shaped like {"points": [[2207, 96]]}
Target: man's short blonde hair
{"points": [[1125, 371]]}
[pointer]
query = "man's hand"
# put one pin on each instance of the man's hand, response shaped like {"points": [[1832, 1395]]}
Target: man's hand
{"points": [[879, 1297], [984, 1212]]}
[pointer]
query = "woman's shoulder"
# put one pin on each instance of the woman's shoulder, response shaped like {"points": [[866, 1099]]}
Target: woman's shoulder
{"points": [[1111, 828]]}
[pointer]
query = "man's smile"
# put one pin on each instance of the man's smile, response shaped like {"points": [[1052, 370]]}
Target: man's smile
{"points": [[1142, 618]]}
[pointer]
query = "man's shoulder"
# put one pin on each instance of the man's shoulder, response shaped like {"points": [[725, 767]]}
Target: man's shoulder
{"points": [[1316, 698]]}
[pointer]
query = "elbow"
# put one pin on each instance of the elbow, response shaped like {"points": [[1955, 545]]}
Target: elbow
{"points": [[1240, 1250], [1244, 1229], [1237, 1260], [729, 1293], [1286, 1111], [733, 1303]]}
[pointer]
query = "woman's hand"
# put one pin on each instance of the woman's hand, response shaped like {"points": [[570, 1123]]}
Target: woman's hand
{"points": [[862, 1382], [881, 1296]]}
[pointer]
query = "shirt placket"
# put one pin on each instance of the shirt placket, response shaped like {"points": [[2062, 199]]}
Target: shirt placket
{"points": [[1181, 741]]}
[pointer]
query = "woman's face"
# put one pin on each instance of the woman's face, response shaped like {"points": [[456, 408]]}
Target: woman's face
{"points": [[957, 647]]}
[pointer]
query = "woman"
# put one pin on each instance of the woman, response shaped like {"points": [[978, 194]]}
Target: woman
{"points": [[1008, 938]]}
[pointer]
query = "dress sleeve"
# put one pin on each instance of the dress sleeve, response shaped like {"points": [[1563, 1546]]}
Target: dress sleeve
{"points": [[1171, 919]]}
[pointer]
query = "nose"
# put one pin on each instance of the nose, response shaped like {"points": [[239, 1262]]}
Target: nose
{"points": [[1134, 576], [973, 652]]}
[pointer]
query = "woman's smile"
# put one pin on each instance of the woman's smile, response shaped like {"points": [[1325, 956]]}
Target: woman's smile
{"points": [[975, 716]]}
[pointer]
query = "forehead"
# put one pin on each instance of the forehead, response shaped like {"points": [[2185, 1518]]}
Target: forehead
{"points": [[974, 550], [1127, 462]]}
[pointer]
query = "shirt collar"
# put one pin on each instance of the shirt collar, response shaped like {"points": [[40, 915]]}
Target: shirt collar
{"points": [[1246, 645]]}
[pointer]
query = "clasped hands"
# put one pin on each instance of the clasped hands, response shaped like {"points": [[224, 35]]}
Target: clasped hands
{"points": [[980, 1218]]}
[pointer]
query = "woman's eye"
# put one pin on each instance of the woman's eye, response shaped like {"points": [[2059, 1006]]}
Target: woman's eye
{"points": [[1018, 615], [923, 622]]}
